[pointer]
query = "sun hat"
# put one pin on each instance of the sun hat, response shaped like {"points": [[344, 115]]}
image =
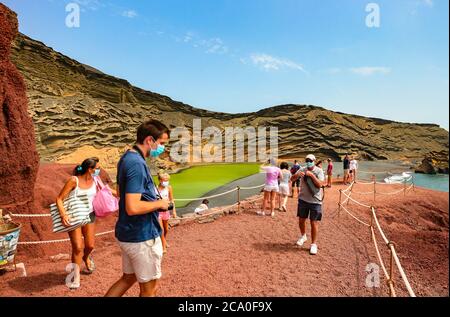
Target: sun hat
{"points": [[311, 157]]}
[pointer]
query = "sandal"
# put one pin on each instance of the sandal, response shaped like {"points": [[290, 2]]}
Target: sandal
{"points": [[91, 269]]}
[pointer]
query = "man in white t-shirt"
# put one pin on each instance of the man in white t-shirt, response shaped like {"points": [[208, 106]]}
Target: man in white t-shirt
{"points": [[310, 200]]}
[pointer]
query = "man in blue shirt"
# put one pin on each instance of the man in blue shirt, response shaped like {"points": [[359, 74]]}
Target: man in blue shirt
{"points": [[138, 230]]}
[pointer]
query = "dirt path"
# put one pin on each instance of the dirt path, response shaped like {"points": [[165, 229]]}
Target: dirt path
{"points": [[248, 255]]}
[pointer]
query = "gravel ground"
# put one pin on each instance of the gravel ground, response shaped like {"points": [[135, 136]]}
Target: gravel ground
{"points": [[248, 255]]}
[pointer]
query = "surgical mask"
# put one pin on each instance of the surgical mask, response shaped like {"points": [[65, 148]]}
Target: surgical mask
{"points": [[158, 151], [310, 164], [164, 184], [96, 172]]}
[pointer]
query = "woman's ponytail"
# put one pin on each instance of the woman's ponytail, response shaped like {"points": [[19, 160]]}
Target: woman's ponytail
{"points": [[82, 168]]}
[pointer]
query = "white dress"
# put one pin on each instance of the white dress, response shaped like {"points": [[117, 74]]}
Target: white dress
{"points": [[284, 183]]}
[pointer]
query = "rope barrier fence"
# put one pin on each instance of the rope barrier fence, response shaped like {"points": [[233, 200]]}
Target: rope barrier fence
{"points": [[238, 202], [394, 260]]}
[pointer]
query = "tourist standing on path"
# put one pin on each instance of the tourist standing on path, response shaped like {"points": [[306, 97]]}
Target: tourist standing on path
{"points": [[329, 173], [294, 169], [83, 182], [284, 185], [353, 168], [310, 200], [271, 188], [166, 192], [138, 229], [346, 169]]}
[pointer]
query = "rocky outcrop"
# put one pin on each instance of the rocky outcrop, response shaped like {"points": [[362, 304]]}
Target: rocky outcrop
{"points": [[434, 163], [74, 105], [18, 156]]}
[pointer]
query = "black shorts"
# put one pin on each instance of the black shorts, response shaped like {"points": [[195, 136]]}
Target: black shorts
{"points": [[296, 183], [313, 211]]}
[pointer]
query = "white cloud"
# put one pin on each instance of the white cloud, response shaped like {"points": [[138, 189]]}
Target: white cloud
{"points": [[268, 62], [188, 37], [214, 46], [369, 71], [129, 14]]}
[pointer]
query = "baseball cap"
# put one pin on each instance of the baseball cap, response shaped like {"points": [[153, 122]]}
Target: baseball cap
{"points": [[311, 157]]}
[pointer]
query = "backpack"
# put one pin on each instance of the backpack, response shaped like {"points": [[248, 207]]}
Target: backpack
{"points": [[294, 169]]}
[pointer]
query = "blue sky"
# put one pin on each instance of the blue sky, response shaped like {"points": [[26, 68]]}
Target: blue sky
{"points": [[245, 55]]}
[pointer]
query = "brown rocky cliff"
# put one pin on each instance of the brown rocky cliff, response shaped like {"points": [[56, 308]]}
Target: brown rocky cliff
{"points": [[74, 105], [18, 156], [434, 163]]}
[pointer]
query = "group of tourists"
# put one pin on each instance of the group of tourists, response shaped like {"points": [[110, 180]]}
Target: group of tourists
{"points": [[145, 208], [350, 169], [309, 182]]}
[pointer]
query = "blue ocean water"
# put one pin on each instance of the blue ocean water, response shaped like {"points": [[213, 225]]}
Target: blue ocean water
{"points": [[381, 168]]}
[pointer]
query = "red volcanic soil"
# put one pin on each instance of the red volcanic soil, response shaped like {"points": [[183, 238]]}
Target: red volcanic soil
{"points": [[249, 255]]}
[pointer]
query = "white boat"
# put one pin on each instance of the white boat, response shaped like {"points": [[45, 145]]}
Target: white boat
{"points": [[398, 179]]}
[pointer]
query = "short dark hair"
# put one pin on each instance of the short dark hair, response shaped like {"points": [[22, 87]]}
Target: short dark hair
{"points": [[153, 128], [284, 166], [205, 201]]}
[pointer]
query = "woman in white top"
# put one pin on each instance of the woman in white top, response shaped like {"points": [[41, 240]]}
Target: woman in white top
{"points": [[83, 182], [353, 168], [284, 185]]}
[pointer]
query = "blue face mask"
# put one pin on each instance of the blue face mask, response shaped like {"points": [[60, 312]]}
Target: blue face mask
{"points": [[96, 172], [159, 150], [310, 164]]}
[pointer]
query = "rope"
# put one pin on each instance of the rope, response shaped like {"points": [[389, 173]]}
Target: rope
{"points": [[112, 231], [379, 227], [380, 259], [207, 197], [59, 240], [357, 202], [357, 219], [362, 193], [402, 272], [365, 183], [348, 188], [392, 193], [30, 215], [254, 187]]}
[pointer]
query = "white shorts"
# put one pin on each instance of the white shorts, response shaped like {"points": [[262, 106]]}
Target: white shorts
{"points": [[142, 259], [271, 188], [284, 189]]}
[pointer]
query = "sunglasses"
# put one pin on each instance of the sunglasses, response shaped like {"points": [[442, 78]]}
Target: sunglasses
{"points": [[308, 161]]}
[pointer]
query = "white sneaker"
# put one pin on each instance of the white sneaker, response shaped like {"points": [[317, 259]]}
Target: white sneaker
{"points": [[302, 240], [313, 250], [261, 213], [273, 214]]}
